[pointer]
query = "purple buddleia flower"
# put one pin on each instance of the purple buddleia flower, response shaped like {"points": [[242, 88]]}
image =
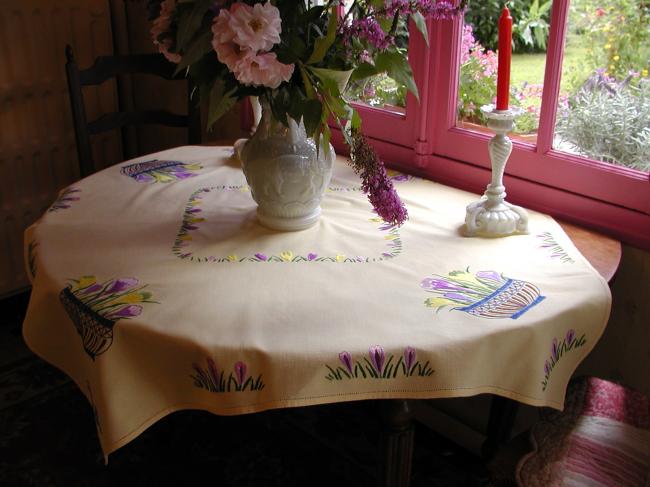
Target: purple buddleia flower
{"points": [[409, 358], [346, 359], [125, 312], [311, 256], [554, 350], [261, 257], [547, 368], [119, 285], [570, 336], [240, 372], [212, 368], [375, 182], [377, 357]]}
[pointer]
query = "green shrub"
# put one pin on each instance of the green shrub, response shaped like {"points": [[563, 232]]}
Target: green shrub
{"points": [[610, 121], [530, 23]]}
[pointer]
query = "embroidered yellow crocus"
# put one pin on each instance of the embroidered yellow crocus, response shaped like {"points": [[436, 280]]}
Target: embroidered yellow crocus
{"points": [[232, 258], [286, 256], [340, 257]]}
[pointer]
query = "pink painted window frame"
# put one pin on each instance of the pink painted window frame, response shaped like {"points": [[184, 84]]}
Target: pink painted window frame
{"points": [[613, 199]]}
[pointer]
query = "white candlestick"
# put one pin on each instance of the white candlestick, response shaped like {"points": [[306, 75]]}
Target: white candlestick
{"points": [[492, 216]]}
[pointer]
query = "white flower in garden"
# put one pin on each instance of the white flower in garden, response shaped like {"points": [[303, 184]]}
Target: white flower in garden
{"points": [[256, 28]]}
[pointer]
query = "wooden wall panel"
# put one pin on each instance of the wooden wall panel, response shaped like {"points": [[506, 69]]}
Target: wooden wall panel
{"points": [[37, 146]]}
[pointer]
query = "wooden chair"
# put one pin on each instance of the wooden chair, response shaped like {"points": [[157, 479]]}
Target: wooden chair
{"points": [[104, 68]]}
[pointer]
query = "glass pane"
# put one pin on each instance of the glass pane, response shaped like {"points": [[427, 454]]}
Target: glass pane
{"points": [[478, 71], [381, 91], [604, 108]]}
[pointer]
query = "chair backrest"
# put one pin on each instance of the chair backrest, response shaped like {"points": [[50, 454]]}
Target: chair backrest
{"points": [[104, 68]]}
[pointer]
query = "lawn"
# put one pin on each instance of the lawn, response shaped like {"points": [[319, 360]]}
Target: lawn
{"points": [[530, 67]]}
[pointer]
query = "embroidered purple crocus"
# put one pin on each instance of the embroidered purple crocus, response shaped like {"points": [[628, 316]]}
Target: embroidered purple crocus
{"points": [[409, 358], [261, 257], [439, 284], [570, 336], [212, 367], [126, 312], [377, 357], [91, 289], [122, 284], [555, 352], [240, 372], [491, 275], [346, 359], [311, 256], [547, 368]]}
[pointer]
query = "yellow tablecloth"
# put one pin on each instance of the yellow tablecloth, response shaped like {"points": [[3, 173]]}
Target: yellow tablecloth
{"points": [[155, 289]]}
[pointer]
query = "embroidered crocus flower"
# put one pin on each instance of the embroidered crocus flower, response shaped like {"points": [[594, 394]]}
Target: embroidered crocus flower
{"points": [[554, 350], [240, 372], [261, 257], [256, 28], [124, 312], [491, 275], [122, 284], [547, 368], [409, 358], [346, 360], [570, 336], [377, 356], [311, 256], [214, 373]]}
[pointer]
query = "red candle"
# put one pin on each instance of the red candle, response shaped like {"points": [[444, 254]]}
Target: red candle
{"points": [[505, 53]]}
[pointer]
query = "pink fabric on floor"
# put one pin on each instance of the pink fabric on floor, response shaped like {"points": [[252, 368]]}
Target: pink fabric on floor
{"points": [[602, 438]]}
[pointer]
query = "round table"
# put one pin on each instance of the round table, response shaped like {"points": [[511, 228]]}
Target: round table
{"points": [[155, 289]]}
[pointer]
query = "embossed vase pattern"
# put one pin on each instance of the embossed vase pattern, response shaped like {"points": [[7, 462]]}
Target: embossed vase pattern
{"points": [[286, 174]]}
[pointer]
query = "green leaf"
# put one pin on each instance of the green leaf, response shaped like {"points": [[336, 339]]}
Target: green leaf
{"points": [[312, 110], [190, 21], [421, 24], [220, 102], [364, 70], [341, 78], [309, 88], [322, 44], [196, 50], [396, 66]]}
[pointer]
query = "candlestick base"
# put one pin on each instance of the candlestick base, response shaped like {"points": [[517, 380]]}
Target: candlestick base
{"points": [[492, 216]]}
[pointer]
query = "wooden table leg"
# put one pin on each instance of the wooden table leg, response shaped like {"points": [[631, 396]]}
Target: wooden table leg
{"points": [[503, 412], [397, 447]]}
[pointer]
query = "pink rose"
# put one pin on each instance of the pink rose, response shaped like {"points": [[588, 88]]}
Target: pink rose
{"points": [[263, 70], [256, 28], [228, 52], [160, 26]]}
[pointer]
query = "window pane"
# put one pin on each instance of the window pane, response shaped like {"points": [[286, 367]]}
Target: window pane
{"points": [[381, 91], [604, 107], [478, 72]]}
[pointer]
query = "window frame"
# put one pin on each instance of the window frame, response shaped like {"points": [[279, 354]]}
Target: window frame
{"points": [[609, 198]]}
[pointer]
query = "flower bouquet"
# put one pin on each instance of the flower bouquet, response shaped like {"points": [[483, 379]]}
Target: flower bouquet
{"points": [[298, 57]]}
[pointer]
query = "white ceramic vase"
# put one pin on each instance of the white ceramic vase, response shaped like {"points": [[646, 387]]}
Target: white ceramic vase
{"points": [[286, 175]]}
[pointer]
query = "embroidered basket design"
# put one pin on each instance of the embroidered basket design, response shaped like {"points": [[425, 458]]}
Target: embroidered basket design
{"points": [[485, 294], [96, 332], [94, 308], [510, 301], [159, 171]]}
